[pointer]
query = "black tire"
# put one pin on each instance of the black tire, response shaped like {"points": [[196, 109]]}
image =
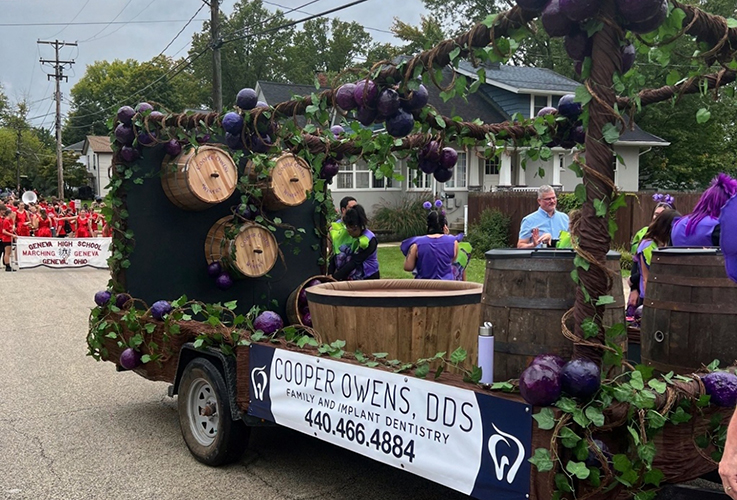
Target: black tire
{"points": [[215, 439]]}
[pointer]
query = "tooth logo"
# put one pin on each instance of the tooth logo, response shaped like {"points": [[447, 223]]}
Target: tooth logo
{"points": [[259, 381], [501, 463]]}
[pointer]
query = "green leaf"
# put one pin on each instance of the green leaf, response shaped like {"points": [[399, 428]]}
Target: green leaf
{"points": [[731, 22], [600, 207], [566, 404], [545, 419], [654, 477], [703, 115], [646, 495], [590, 328], [579, 261], [580, 418], [541, 459], [680, 416], [580, 193], [230, 306], [595, 477], [636, 381], [655, 419], [713, 365], [610, 133], [595, 415], [582, 95], [458, 356], [198, 343], [646, 452], [422, 370], [634, 434], [561, 483], [621, 463], [145, 358], [568, 438], [604, 300], [578, 469], [657, 386]]}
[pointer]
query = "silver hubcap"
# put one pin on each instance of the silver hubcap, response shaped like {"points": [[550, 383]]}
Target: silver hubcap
{"points": [[203, 412]]}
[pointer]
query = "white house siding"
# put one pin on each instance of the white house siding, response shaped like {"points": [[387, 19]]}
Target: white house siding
{"points": [[98, 164]]}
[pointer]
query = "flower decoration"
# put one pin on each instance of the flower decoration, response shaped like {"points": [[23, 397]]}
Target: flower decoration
{"points": [[664, 198], [438, 203], [427, 205]]}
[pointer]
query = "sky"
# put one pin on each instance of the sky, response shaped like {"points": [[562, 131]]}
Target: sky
{"points": [[122, 29]]}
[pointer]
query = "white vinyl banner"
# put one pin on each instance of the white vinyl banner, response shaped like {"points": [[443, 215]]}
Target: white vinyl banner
{"points": [[63, 252], [473, 443]]}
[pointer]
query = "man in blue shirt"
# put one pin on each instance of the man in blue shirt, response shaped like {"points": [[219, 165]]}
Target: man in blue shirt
{"points": [[543, 226]]}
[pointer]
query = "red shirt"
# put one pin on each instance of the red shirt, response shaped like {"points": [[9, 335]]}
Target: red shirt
{"points": [[7, 226]]}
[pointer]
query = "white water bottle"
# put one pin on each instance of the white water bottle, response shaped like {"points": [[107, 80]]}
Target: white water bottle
{"points": [[486, 353]]}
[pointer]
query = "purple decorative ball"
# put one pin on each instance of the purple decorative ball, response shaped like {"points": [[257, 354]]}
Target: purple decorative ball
{"points": [[448, 158], [142, 107], [365, 93], [224, 281], [214, 269], [173, 148]]}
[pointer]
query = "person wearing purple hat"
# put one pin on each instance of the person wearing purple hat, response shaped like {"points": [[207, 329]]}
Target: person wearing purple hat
{"points": [[728, 241], [700, 228]]}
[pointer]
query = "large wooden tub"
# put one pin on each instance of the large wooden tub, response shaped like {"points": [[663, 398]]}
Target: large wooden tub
{"points": [[690, 311], [408, 319], [526, 293]]}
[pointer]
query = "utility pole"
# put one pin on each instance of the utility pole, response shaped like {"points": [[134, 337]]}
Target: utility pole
{"points": [[58, 76], [17, 160], [216, 43]]}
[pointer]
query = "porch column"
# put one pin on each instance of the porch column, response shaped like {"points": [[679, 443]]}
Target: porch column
{"points": [[521, 177], [505, 168], [475, 181], [556, 161]]}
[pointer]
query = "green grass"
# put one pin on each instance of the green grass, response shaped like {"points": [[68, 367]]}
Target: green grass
{"points": [[391, 266]]}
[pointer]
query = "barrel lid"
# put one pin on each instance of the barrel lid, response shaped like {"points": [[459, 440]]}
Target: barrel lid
{"points": [[688, 251], [539, 253], [211, 174]]}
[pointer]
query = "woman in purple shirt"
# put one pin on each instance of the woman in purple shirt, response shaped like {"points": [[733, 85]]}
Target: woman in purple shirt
{"points": [[432, 256], [700, 228]]}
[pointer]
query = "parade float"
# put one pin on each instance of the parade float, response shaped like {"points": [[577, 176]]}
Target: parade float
{"points": [[220, 231]]}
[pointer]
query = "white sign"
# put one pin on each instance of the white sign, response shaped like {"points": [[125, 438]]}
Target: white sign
{"points": [[63, 252], [472, 443]]}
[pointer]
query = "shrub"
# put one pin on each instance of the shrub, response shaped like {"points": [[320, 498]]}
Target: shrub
{"points": [[491, 231], [625, 261], [404, 219], [567, 202]]}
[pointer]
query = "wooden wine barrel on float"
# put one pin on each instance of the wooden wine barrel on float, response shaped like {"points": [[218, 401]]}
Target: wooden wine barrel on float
{"points": [[286, 185], [526, 294], [244, 247], [408, 319], [689, 316], [198, 180]]}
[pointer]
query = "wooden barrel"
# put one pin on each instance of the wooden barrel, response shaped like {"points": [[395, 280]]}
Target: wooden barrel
{"points": [[408, 319], [198, 180], [248, 249], [526, 293], [294, 315], [287, 184], [690, 311]]}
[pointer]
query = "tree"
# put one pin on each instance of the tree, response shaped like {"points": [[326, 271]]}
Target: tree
{"points": [[425, 36], [108, 85], [254, 49]]}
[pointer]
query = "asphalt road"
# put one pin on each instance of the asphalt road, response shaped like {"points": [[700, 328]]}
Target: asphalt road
{"points": [[72, 428]]}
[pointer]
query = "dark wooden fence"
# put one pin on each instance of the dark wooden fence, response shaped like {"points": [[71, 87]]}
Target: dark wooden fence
{"points": [[630, 219]]}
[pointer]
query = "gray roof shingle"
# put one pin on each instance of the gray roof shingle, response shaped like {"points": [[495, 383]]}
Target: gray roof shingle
{"points": [[522, 77]]}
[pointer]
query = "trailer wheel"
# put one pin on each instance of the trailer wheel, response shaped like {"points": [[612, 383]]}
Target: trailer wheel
{"points": [[211, 434]]}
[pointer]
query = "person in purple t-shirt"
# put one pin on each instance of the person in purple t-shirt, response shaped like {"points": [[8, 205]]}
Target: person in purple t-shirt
{"points": [[432, 255], [700, 228]]}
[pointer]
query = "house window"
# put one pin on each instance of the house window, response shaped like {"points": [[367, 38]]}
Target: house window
{"points": [[539, 102], [491, 166], [458, 181], [358, 176], [419, 180]]}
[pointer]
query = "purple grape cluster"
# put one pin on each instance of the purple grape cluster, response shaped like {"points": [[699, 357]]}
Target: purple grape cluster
{"points": [[565, 18], [437, 160], [372, 104], [244, 134], [131, 139]]}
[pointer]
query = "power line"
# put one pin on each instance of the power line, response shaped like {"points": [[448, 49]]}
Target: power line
{"points": [[94, 23], [68, 24], [106, 26], [124, 24], [298, 9], [192, 58], [181, 30]]}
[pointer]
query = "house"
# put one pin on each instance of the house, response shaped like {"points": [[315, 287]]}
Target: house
{"points": [[97, 155], [509, 91]]}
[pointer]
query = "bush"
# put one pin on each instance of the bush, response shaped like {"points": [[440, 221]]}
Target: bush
{"points": [[625, 261], [567, 202], [405, 219], [491, 231]]}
